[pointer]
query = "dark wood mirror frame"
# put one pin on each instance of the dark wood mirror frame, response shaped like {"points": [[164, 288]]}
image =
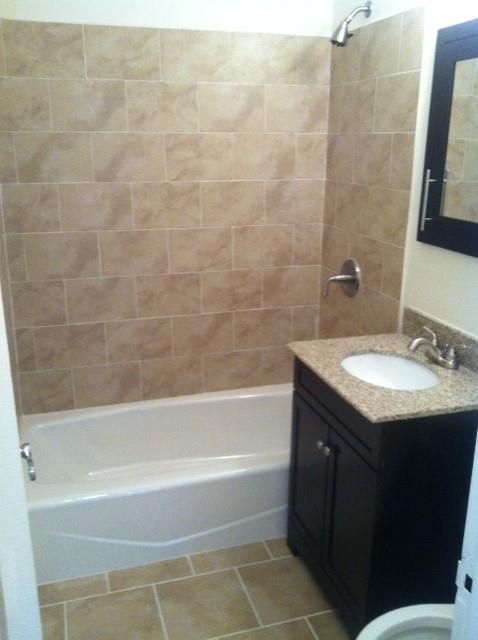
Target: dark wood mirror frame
{"points": [[459, 42]]}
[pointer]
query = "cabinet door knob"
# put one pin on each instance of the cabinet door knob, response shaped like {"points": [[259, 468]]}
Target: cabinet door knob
{"points": [[326, 451], [320, 445]]}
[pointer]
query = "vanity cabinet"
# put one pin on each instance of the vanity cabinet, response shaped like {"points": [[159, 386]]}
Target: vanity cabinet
{"points": [[376, 510]]}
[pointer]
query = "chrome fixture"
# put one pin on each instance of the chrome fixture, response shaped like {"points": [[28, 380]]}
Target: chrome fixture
{"points": [[26, 453], [445, 356], [321, 446], [341, 34], [348, 278]]}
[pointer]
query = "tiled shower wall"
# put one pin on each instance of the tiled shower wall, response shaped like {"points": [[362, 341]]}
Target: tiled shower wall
{"points": [[162, 207], [373, 103]]}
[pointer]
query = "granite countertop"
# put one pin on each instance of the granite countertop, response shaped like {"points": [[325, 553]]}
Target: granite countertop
{"points": [[457, 390]]}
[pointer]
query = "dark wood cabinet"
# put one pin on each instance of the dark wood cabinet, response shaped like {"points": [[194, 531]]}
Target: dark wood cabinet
{"points": [[376, 511]]}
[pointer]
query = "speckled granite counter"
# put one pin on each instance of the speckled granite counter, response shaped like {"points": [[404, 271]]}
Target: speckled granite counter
{"points": [[457, 391]]}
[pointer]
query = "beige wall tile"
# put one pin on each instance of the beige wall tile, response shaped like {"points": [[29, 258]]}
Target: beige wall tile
{"points": [[262, 328], [258, 156], [313, 60], [43, 49], [330, 196], [192, 56], [171, 377], [388, 212], [8, 172], [158, 106], [61, 255], [292, 286], [277, 365], [392, 271], [205, 606], [464, 118], [38, 303], [336, 248], [470, 168], [268, 246], [70, 346], [307, 243], [53, 624], [294, 201], [345, 61], [200, 249], [332, 326], [97, 299], [297, 108], [232, 370], [168, 295], [133, 252], [230, 290], [230, 557], [411, 42], [232, 203], [139, 339], [396, 102], [128, 157], [149, 573], [351, 107], [351, 208], [379, 313], [379, 47], [202, 334], [369, 255], [95, 206], [25, 350], [372, 159], [122, 52], [264, 58], [24, 104], [17, 268], [225, 107], [198, 156], [123, 615], [402, 160], [88, 105], [30, 207], [167, 204], [43, 391], [110, 384], [304, 323], [53, 157], [455, 158], [340, 156]]}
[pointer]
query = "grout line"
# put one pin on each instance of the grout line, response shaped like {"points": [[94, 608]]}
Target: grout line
{"points": [[264, 542], [65, 621], [107, 579], [50, 105], [83, 43], [248, 596], [191, 566], [160, 613], [311, 629], [265, 626]]}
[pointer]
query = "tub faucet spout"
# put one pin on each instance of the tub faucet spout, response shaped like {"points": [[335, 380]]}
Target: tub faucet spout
{"points": [[26, 453]]}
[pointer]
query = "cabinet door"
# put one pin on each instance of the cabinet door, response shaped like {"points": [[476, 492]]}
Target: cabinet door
{"points": [[352, 488], [308, 470]]}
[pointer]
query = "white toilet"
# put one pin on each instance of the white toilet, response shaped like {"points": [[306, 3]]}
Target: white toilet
{"points": [[418, 622]]}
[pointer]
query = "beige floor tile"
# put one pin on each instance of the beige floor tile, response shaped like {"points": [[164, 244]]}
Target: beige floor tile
{"points": [[231, 557], [282, 589], [127, 615], [52, 622], [149, 573], [328, 627], [72, 589], [296, 630], [278, 547], [205, 606]]}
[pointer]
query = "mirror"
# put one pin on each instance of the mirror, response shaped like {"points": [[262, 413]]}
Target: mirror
{"points": [[449, 203]]}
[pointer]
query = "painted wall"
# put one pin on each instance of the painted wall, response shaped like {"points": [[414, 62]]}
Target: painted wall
{"points": [[381, 9], [439, 283], [301, 17]]}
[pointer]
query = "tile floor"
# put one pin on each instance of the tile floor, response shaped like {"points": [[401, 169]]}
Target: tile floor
{"points": [[251, 592]]}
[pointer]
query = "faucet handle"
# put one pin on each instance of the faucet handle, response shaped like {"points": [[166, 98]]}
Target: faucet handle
{"points": [[432, 334]]}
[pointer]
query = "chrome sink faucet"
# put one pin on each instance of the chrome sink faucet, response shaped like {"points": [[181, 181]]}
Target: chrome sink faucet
{"points": [[26, 454], [445, 356]]}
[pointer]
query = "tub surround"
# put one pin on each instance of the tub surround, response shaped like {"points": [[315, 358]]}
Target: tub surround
{"points": [[456, 392]]}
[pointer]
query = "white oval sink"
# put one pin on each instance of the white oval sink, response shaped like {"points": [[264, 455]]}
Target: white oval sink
{"points": [[391, 372]]}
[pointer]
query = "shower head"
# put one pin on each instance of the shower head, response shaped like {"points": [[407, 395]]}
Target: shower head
{"points": [[341, 34]]}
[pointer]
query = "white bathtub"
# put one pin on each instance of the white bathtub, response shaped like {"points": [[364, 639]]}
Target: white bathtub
{"points": [[126, 485]]}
